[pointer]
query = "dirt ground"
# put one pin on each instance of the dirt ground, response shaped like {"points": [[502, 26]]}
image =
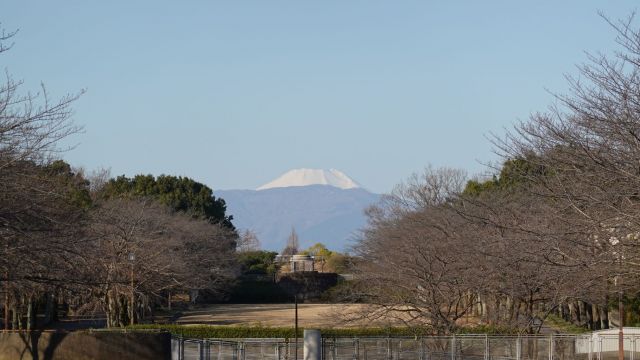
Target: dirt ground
{"points": [[275, 315]]}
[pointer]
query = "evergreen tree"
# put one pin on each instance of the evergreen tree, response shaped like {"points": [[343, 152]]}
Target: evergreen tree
{"points": [[179, 193]]}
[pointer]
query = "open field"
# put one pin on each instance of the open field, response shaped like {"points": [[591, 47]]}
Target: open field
{"points": [[275, 315], [309, 315]]}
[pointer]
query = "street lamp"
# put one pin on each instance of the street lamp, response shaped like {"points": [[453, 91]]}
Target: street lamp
{"points": [[617, 283], [132, 258], [295, 329]]}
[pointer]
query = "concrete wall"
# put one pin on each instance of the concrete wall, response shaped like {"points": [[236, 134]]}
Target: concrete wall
{"points": [[99, 345]]}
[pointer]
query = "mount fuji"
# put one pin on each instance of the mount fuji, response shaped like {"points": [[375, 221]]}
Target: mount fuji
{"points": [[307, 177], [324, 206]]}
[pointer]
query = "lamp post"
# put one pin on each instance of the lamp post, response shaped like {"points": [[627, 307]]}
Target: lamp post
{"points": [[6, 301], [296, 326], [132, 258], [618, 285], [6, 293], [621, 315], [620, 333]]}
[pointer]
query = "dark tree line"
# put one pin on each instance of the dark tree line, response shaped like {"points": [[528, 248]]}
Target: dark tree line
{"points": [[179, 193]]}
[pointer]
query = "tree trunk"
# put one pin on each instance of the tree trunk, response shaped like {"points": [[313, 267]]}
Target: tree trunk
{"points": [[49, 308], [123, 315], [15, 324], [29, 314], [484, 309], [604, 313], [582, 316], [589, 315], [510, 309], [496, 310], [479, 306], [6, 301], [567, 312], [575, 312], [596, 317], [111, 310]]}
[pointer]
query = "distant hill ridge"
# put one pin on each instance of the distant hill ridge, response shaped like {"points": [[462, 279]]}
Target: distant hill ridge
{"points": [[324, 206]]}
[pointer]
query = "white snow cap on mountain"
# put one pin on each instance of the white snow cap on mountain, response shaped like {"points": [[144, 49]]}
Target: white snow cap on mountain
{"points": [[304, 177]]}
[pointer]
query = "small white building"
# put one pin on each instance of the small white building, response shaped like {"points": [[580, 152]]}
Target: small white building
{"points": [[297, 263], [606, 341]]}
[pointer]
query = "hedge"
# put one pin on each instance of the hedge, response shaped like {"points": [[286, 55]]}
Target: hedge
{"points": [[230, 332]]}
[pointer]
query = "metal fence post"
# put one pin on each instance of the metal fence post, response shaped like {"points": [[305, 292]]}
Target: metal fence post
{"points": [[356, 349], [453, 347], [599, 347], [486, 347], [201, 349], [514, 347], [389, 348]]}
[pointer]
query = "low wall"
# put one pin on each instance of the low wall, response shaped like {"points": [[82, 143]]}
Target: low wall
{"points": [[78, 345]]}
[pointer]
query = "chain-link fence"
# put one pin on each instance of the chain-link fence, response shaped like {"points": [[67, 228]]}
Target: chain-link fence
{"points": [[467, 347], [245, 349]]}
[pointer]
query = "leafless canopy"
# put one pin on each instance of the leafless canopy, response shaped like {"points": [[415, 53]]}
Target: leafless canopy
{"points": [[557, 232]]}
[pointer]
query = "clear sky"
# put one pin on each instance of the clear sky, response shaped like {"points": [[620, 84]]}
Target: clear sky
{"points": [[234, 93]]}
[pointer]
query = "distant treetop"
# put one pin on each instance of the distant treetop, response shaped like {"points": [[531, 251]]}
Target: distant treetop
{"points": [[514, 172], [179, 193]]}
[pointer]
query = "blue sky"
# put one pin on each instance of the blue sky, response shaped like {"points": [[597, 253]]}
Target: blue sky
{"points": [[234, 93]]}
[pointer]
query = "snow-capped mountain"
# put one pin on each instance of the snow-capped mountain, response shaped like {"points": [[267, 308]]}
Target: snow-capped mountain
{"points": [[322, 205], [306, 177]]}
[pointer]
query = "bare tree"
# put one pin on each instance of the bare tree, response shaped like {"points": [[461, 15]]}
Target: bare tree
{"points": [[589, 146], [412, 255], [248, 241], [435, 256], [42, 215], [293, 244], [39, 220], [143, 251]]}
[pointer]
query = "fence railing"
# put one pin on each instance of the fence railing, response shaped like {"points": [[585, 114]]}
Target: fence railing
{"points": [[459, 347], [245, 349]]}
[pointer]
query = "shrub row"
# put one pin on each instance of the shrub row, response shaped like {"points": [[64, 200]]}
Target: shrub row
{"points": [[230, 332]]}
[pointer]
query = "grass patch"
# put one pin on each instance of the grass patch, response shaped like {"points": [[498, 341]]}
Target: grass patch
{"points": [[564, 326], [487, 329]]}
